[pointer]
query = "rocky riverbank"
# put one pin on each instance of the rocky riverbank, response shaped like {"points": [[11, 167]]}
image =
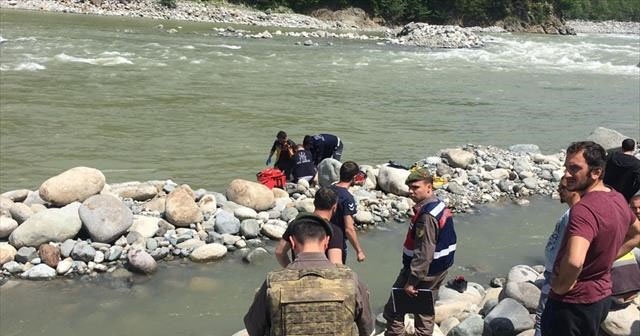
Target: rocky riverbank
{"points": [[78, 224], [605, 27]]}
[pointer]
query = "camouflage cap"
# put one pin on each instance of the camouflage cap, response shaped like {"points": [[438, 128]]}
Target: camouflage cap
{"points": [[309, 218], [418, 174]]}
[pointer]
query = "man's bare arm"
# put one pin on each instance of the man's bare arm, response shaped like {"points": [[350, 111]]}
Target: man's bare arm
{"points": [[282, 253], [631, 240], [350, 231], [570, 265]]}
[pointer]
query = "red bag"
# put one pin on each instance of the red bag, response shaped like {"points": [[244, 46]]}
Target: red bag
{"points": [[272, 177]]}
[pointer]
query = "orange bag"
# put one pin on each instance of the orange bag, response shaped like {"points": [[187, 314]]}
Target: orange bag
{"points": [[272, 177]]}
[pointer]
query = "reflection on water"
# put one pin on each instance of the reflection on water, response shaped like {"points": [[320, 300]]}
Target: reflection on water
{"points": [[210, 299]]}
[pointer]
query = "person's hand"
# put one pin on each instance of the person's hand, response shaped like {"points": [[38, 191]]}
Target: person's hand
{"points": [[268, 162], [361, 256], [410, 290]]}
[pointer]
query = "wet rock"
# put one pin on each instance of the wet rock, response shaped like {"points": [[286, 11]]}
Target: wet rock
{"points": [[7, 225], [250, 194], [141, 261], [13, 267], [288, 214], [181, 208], [114, 253], [74, 185], [208, 252], [83, 251], [257, 255], [52, 225], [249, 228], [105, 218], [273, 231], [49, 254], [64, 266], [39, 272], [226, 222], [25, 254]]}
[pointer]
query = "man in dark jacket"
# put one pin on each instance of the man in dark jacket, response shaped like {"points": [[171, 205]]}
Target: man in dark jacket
{"points": [[323, 146], [622, 172]]}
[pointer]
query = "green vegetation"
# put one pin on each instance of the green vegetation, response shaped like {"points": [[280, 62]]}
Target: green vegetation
{"points": [[469, 12]]}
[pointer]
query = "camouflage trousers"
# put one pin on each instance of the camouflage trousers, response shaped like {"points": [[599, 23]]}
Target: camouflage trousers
{"points": [[423, 323]]}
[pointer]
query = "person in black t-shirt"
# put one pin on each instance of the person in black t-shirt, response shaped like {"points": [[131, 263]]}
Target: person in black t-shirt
{"points": [[347, 207], [284, 148], [622, 171], [325, 206], [303, 167]]}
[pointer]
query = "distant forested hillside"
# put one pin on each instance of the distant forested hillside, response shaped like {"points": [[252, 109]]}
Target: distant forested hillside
{"points": [[470, 12]]}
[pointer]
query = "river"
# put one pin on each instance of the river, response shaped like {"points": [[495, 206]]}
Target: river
{"points": [[125, 96]]}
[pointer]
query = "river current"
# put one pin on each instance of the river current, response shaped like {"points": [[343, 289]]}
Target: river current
{"points": [[130, 98]]}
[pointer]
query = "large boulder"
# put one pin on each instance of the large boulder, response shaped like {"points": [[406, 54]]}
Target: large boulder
{"points": [[522, 273], [105, 218], [607, 138], [74, 185], [208, 252], [459, 158], [471, 326], [328, 172], [181, 208], [391, 180], [250, 194], [526, 293], [7, 225], [51, 225], [7, 253], [509, 318]]}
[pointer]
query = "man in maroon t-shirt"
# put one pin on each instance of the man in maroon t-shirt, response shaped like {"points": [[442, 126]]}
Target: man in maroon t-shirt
{"points": [[598, 226]]}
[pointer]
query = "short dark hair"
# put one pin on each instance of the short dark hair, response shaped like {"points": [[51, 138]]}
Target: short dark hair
{"points": [[348, 171], [281, 135], [308, 229], [628, 145], [325, 198], [593, 153], [306, 142]]}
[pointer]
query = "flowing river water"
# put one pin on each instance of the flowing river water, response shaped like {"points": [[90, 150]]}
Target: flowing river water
{"points": [[127, 97]]}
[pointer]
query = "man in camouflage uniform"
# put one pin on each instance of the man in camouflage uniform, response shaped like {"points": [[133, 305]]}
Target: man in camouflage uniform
{"points": [[311, 296], [427, 251]]}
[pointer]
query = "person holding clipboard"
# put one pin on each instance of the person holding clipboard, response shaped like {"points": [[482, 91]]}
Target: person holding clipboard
{"points": [[428, 252]]}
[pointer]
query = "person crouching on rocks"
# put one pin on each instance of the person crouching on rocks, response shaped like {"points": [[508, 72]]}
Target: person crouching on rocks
{"points": [[284, 149]]}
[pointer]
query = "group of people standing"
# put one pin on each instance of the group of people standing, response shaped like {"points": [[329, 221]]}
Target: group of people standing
{"points": [[300, 161], [595, 235], [315, 293]]}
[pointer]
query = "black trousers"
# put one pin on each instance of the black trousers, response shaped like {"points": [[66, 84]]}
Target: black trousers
{"points": [[569, 319]]}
